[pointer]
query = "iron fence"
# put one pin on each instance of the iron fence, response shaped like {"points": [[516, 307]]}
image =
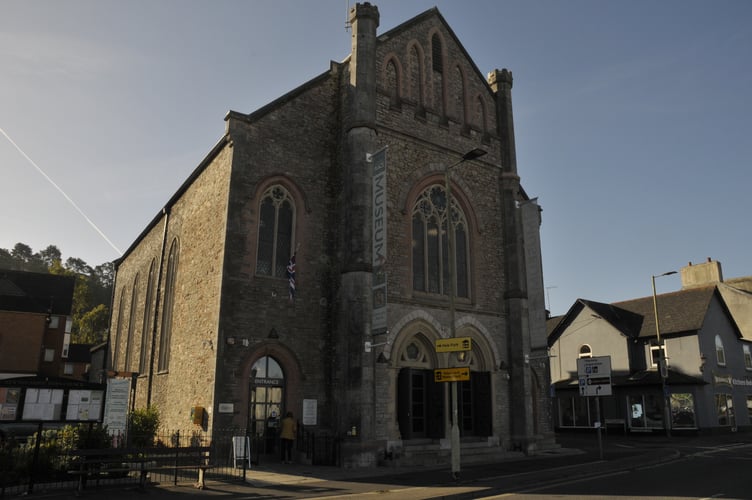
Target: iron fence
{"points": [[43, 461]]}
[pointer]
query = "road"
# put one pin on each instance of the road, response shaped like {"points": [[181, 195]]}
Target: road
{"points": [[720, 471], [632, 468]]}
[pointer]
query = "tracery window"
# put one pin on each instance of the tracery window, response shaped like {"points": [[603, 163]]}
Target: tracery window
{"points": [[276, 224], [430, 244]]}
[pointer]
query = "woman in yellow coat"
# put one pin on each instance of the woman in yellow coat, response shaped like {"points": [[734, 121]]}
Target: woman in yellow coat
{"points": [[288, 430]]}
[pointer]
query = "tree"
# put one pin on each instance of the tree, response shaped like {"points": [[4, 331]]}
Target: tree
{"points": [[92, 325], [50, 255], [92, 292]]}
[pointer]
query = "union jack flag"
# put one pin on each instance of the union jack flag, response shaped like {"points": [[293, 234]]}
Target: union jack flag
{"points": [[291, 277]]}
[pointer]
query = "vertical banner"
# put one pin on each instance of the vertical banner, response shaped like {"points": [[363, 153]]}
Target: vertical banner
{"points": [[378, 319]]}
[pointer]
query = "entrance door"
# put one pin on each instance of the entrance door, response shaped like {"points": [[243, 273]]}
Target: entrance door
{"points": [[474, 405], [267, 394], [420, 405]]}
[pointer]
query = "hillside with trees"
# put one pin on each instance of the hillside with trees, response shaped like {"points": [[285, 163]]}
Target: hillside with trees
{"points": [[92, 293]]}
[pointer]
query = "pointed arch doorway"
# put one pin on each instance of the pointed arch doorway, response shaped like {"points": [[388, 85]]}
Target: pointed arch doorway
{"points": [[423, 403], [266, 403]]}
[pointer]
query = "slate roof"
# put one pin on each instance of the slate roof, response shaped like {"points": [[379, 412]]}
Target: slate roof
{"points": [[22, 291], [680, 313]]}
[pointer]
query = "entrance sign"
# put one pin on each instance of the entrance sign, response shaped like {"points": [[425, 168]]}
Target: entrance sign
{"points": [[454, 344], [451, 374], [595, 376], [310, 411]]}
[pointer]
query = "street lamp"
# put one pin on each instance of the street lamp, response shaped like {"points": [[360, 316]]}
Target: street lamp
{"points": [[455, 432], [662, 365]]}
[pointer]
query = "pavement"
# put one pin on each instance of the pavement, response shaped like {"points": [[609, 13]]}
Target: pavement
{"points": [[579, 454]]}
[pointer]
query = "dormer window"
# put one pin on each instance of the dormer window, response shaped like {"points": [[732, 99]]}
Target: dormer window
{"points": [[586, 351]]}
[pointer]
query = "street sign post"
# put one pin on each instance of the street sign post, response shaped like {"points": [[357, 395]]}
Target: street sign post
{"points": [[595, 380], [451, 374], [595, 376], [454, 344]]}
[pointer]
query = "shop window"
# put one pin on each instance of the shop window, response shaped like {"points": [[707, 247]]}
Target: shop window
{"points": [[724, 408], [683, 411]]}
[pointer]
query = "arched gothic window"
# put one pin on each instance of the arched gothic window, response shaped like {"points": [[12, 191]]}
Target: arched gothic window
{"points": [[146, 335], [436, 60], [165, 336], [276, 225], [131, 324], [431, 244], [119, 330]]}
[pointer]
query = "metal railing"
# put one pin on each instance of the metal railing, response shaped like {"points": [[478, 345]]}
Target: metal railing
{"points": [[41, 462]]}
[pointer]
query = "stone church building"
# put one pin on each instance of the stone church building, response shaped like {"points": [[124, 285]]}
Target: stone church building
{"points": [[345, 180]]}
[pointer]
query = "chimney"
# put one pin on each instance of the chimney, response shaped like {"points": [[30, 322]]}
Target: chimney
{"points": [[706, 273]]}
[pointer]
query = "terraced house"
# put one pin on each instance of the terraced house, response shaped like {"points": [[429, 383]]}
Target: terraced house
{"points": [[317, 254]]}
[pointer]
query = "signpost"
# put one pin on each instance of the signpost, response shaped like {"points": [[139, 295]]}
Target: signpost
{"points": [[451, 375], [454, 344], [595, 380]]}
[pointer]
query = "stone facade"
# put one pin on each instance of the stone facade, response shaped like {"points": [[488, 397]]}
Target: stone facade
{"points": [[414, 91]]}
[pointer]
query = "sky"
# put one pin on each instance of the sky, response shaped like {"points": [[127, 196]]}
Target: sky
{"points": [[632, 118]]}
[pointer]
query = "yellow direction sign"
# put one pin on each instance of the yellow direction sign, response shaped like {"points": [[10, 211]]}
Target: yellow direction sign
{"points": [[451, 374], [454, 344]]}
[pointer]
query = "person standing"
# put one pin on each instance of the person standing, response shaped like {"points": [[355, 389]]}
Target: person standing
{"points": [[288, 430]]}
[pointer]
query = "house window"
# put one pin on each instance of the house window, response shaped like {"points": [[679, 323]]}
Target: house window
{"points": [[747, 357], [49, 355], [68, 369], [54, 321], [430, 244], [586, 351], [720, 354], [276, 224], [169, 303], [655, 354]]}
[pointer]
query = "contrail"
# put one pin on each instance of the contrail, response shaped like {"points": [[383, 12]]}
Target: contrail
{"points": [[91, 223]]}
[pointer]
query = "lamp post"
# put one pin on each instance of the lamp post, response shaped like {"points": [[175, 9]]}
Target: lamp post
{"points": [[662, 364], [455, 431]]}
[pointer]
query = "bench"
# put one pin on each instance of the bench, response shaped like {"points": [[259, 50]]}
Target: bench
{"points": [[120, 462]]}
